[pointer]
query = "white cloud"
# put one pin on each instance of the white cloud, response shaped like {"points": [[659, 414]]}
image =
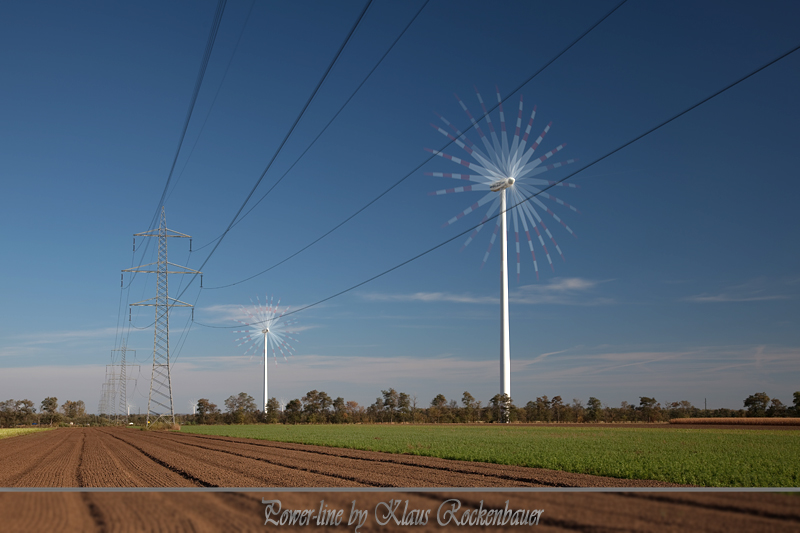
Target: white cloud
{"points": [[66, 382], [55, 344], [233, 316], [565, 284], [563, 291], [66, 336], [723, 297], [718, 371], [541, 357], [227, 314], [431, 297], [723, 374], [352, 369], [757, 290], [18, 351], [221, 313], [58, 346]]}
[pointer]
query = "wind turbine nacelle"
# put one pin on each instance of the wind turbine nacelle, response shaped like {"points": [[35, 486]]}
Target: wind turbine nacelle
{"points": [[498, 186]]}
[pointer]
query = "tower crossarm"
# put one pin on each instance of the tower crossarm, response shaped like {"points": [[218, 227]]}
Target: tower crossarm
{"points": [[143, 269], [157, 232], [171, 302]]}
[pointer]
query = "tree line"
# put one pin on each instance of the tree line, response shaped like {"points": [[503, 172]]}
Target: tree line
{"points": [[317, 407], [23, 413]]}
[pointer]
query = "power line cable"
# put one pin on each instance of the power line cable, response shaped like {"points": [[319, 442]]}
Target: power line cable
{"points": [[185, 331], [212, 36], [280, 147], [198, 83], [127, 289], [598, 160], [182, 339], [424, 162], [185, 334], [214, 101], [144, 290], [352, 95]]}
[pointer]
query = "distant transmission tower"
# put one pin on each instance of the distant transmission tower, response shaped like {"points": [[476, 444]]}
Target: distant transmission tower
{"points": [[159, 402], [107, 395], [122, 388]]}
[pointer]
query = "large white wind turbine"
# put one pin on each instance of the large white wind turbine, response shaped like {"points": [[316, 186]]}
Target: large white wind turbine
{"points": [[505, 168]]}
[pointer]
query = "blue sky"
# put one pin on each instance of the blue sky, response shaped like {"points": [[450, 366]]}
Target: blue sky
{"points": [[683, 282]]}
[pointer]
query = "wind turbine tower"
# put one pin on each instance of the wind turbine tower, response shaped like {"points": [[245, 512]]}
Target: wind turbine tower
{"points": [[506, 165]]}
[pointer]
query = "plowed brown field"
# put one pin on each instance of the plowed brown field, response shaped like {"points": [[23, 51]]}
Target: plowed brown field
{"points": [[121, 457]]}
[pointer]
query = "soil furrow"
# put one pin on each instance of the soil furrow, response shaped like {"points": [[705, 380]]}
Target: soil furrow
{"points": [[41, 442], [23, 512], [484, 474], [121, 457], [59, 468], [382, 474], [221, 470], [196, 512], [778, 508], [95, 512], [206, 512], [166, 464], [620, 512], [110, 462], [19, 455], [297, 465]]}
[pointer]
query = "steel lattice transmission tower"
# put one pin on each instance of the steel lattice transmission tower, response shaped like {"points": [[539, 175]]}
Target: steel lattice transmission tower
{"points": [[122, 388], [108, 394], [159, 402]]}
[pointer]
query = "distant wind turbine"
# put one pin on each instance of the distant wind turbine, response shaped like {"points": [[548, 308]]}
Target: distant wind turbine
{"points": [[268, 326]]}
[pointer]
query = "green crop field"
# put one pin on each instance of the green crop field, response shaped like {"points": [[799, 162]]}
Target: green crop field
{"points": [[15, 432], [703, 457]]}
